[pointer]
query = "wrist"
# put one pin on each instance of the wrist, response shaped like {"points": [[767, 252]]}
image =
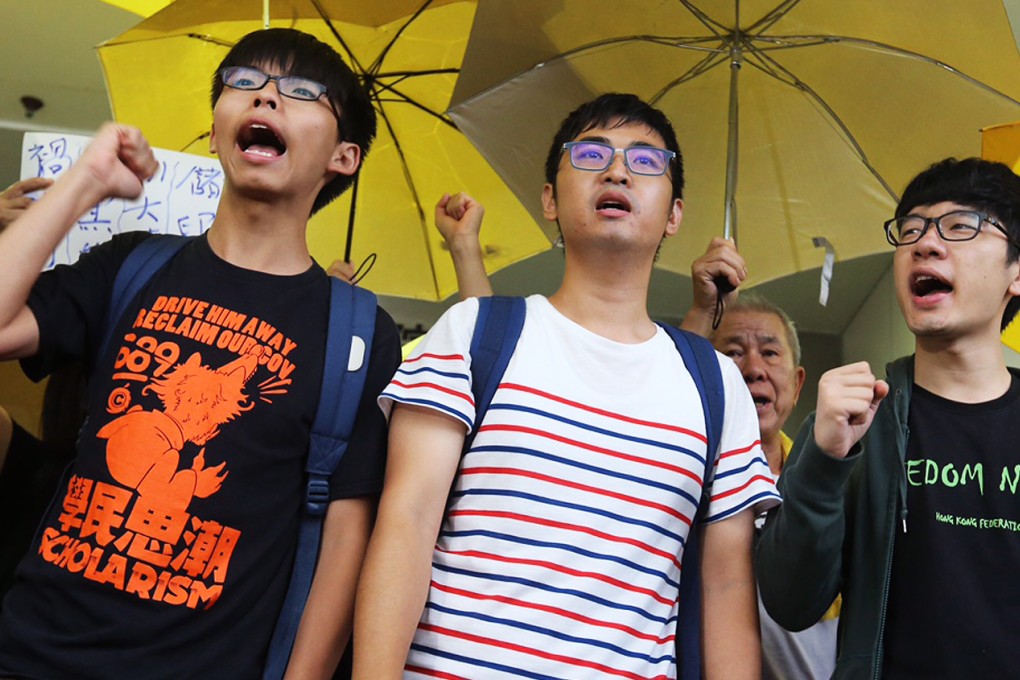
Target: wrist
{"points": [[699, 321], [84, 183], [461, 245]]}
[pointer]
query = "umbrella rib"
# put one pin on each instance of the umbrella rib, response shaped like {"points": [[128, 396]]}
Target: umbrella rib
{"points": [[403, 75], [771, 67], [377, 64], [336, 34], [369, 76], [414, 193], [709, 62], [401, 97], [770, 19], [196, 36], [681, 42], [718, 29], [814, 40]]}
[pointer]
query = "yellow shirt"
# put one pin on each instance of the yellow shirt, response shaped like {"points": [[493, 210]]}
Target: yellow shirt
{"points": [[405, 351]]}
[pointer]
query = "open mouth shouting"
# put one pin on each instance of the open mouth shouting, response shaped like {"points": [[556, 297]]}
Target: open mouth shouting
{"points": [[761, 402], [929, 286], [612, 204], [259, 139]]}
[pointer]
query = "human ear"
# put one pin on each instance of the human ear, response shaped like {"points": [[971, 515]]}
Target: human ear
{"points": [[549, 203], [345, 159], [676, 214], [799, 374]]}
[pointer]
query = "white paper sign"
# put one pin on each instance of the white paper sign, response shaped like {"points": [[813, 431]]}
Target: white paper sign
{"points": [[181, 198]]}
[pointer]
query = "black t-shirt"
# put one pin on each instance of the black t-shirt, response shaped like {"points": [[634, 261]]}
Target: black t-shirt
{"points": [[168, 552], [954, 602]]}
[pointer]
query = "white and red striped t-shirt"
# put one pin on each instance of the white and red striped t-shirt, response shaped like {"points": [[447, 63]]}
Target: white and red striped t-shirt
{"points": [[560, 552]]}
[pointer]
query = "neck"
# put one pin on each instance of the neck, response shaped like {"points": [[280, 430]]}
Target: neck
{"points": [[773, 448], [610, 299], [266, 237], [969, 370]]}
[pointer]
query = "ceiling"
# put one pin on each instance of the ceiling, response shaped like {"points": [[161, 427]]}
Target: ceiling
{"points": [[49, 46]]}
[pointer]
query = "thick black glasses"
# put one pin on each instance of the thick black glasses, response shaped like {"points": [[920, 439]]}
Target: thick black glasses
{"points": [[958, 225], [295, 87], [641, 160]]}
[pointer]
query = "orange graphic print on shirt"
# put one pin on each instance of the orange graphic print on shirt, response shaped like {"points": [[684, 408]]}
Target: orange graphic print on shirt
{"points": [[139, 534], [143, 448]]}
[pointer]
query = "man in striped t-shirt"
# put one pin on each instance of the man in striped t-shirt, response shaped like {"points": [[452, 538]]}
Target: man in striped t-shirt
{"points": [[554, 546]]}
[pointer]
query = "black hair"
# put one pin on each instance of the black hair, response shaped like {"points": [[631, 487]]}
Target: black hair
{"points": [[983, 185], [615, 109], [300, 54]]}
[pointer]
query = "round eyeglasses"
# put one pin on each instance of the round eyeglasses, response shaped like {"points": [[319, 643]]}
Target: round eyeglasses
{"points": [[958, 225], [641, 160]]}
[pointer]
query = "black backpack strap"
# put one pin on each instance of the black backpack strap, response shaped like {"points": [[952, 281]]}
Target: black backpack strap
{"points": [[497, 329], [702, 363], [352, 313]]}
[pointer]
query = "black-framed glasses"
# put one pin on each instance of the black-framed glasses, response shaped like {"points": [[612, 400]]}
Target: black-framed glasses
{"points": [[641, 160], [958, 225], [294, 87]]}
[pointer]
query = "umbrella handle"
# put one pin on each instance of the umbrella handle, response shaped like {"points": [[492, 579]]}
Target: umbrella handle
{"points": [[350, 219]]}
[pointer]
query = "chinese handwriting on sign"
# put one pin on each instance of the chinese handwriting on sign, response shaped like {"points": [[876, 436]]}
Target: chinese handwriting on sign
{"points": [[181, 198]]}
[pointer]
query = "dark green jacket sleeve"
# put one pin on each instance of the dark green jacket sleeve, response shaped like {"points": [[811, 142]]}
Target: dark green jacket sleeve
{"points": [[799, 556]]}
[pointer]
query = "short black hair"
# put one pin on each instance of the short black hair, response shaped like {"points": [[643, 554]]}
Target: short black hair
{"points": [[983, 185], [300, 54], [615, 109]]}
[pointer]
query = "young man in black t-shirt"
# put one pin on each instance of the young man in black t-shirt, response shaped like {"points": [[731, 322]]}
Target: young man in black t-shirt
{"points": [[901, 493], [167, 552]]}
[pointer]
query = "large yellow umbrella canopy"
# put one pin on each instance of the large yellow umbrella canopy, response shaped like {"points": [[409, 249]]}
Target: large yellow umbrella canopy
{"points": [[838, 104], [408, 53]]}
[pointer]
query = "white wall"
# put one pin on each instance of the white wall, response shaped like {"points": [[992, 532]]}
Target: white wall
{"points": [[877, 334]]}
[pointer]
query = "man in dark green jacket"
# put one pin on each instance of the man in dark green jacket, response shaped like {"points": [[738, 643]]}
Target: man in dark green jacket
{"points": [[901, 493]]}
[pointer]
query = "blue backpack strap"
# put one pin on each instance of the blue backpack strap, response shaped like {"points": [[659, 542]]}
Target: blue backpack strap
{"points": [[702, 363], [352, 313], [147, 258], [497, 329]]}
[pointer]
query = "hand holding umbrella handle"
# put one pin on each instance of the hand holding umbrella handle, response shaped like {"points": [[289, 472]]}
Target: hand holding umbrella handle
{"points": [[714, 275], [723, 287]]}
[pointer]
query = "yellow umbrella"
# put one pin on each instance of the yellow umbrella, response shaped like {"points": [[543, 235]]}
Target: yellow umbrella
{"points": [[408, 53], [801, 118], [144, 8], [1002, 143]]}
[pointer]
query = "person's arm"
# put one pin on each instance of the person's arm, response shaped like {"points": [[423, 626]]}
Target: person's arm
{"points": [[6, 433], [721, 260], [328, 616], [14, 200], [424, 451], [115, 164], [459, 220], [730, 637], [799, 555]]}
